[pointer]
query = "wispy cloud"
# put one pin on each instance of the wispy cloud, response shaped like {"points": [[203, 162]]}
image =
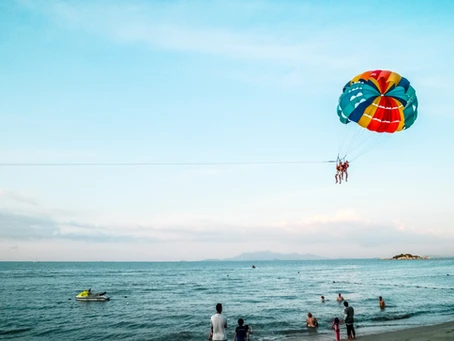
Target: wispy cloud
{"points": [[340, 227], [17, 226], [17, 197], [128, 24], [28, 227], [294, 49]]}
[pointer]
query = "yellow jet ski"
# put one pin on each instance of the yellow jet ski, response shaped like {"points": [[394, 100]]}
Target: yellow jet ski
{"points": [[88, 296]]}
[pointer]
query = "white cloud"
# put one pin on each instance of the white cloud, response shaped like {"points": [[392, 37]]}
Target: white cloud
{"points": [[342, 234], [8, 195], [128, 24], [299, 46], [342, 226]]}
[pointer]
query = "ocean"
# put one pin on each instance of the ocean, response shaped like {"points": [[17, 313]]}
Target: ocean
{"points": [[174, 300]]}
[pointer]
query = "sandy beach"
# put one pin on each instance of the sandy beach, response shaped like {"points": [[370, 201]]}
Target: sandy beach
{"points": [[439, 332]]}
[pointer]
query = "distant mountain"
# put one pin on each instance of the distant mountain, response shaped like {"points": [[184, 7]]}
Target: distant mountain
{"points": [[268, 255]]}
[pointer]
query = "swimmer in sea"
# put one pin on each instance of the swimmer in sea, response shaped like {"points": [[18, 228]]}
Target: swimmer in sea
{"points": [[311, 321], [381, 303], [339, 298]]}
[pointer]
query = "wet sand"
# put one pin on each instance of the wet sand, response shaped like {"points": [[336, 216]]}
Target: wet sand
{"points": [[439, 332]]}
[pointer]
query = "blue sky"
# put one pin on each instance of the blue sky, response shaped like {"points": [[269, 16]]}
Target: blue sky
{"points": [[198, 81]]}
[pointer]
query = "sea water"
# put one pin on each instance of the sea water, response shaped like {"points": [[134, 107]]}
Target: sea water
{"points": [[174, 300]]}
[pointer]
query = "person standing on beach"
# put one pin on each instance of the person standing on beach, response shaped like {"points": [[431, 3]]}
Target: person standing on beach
{"points": [[218, 325], [381, 303], [348, 320]]}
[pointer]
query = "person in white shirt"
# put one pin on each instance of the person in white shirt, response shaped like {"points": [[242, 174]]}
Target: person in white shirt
{"points": [[218, 325]]}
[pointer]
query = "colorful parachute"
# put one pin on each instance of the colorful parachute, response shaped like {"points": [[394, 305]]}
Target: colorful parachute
{"points": [[379, 100]]}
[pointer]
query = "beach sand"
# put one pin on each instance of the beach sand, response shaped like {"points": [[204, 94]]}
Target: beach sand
{"points": [[439, 332]]}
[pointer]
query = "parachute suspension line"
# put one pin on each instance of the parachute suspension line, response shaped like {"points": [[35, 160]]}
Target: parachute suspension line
{"points": [[366, 147], [359, 140], [347, 138], [373, 142], [341, 143], [353, 139], [342, 140], [364, 139], [357, 134]]}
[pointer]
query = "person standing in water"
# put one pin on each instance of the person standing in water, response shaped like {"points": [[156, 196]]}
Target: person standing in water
{"points": [[311, 321], [348, 320], [242, 332], [381, 303], [218, 325]]}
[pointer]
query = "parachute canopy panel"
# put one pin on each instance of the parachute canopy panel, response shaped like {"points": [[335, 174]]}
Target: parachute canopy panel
{"points": [[379, 100]]}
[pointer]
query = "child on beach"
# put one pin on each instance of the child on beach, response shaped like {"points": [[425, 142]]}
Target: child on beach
{"points": [[336, 328], [242, 332]]}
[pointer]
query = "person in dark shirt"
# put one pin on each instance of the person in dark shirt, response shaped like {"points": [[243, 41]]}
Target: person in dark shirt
{"points": [[349, 320], [242, 332]]}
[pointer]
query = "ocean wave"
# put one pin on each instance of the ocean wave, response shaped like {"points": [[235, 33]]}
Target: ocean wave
{"points": [[17, 330], [394, 317], [169, 303]]}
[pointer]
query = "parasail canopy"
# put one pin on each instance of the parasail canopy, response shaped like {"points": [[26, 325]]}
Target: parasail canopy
{"points": [[381, 101]]}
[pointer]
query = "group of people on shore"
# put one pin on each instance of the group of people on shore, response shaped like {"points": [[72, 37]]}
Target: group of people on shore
{"points": [[219, 323]]}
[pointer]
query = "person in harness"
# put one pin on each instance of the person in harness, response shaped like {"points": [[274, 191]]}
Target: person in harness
{"points": [[344, 169], [339, 172]]}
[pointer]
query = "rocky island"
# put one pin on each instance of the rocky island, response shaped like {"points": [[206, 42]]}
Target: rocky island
{"points": [[406, 256]]}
